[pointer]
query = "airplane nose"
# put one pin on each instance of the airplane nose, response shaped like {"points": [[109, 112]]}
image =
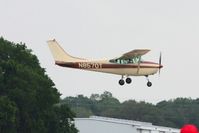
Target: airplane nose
{"points": [[160, 66]]}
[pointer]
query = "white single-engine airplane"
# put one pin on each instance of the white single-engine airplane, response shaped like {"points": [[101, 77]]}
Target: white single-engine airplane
{"points": [[129, 64]]}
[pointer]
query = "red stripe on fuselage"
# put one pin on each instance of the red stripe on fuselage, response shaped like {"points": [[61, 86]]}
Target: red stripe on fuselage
{"points": [[92, 65]]}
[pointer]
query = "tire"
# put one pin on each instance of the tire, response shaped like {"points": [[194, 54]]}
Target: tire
{"points": [[121, 82], [149, 84], [128, 80]]}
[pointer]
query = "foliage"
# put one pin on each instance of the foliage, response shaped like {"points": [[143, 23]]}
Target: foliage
{"points": [[172, 113], [8, 112], [28, 95]]}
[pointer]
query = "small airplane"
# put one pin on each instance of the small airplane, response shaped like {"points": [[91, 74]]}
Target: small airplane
{"points": [[129, 64]]}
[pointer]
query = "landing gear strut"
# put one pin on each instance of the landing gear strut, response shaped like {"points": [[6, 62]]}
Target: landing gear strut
{"points": [[149, 84]]}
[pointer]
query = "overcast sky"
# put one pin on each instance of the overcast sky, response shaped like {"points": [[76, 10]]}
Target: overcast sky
{"points": [[102, 29]]}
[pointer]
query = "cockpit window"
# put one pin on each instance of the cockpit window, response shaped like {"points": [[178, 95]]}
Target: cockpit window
{"points": [[133, 60]]}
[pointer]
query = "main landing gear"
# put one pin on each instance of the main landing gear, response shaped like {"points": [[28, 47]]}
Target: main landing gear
{"points": [[122, 81], [129, 80]]}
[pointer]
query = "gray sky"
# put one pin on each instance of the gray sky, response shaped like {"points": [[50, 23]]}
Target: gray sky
{"points": [[106, 29]]}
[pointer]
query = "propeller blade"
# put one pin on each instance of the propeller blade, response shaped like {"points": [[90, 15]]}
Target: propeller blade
{"points": [[160, 61]]}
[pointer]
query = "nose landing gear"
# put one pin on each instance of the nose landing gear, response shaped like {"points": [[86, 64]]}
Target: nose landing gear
{"points": [[149, 84]]}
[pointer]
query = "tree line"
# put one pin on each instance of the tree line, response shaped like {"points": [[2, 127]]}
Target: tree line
{"points": [[172, 113], [28, 97]]}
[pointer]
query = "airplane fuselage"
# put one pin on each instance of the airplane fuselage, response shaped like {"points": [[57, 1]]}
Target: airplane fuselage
{"points": [[145, 68]]}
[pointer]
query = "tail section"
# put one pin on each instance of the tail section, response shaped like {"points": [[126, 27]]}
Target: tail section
{"points": [[59, 54]]}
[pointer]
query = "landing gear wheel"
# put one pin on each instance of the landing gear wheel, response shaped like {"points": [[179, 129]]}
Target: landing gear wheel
{"points": [[121, 82], [149, 84], [128, 80]]}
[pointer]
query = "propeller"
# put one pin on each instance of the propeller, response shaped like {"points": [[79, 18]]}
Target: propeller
{"points": [[160, 62]]}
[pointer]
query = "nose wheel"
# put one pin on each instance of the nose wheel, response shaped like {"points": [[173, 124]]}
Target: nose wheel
{"points": [[149, 84]]}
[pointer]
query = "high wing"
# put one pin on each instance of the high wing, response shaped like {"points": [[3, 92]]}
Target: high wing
{"points": [[134, 53]]}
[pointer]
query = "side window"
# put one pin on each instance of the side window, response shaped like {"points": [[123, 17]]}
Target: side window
{"points": [[126, 61], [118, 61], [137, 59]]}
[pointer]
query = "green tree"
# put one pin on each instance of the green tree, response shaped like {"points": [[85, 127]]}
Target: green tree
{"points": [[82, 112], [8, 112], [95, 97], [171, 113], [31, 92], [108, 105], [65, 117]]}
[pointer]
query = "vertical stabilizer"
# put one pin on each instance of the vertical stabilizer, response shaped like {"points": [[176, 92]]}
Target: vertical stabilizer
{"points": [[59, 54]]}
